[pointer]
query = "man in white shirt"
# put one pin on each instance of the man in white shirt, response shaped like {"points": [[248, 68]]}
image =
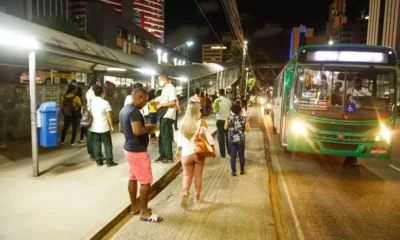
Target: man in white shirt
{"points": [[222, 106], [101, 127], [94, 83], [358, 90], [167, 113]]}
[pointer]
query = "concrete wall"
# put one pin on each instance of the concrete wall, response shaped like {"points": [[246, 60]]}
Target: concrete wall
{"points": [[15, 107]]}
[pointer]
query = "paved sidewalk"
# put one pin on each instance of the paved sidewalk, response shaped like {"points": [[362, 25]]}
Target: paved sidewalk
{"points": [[234, 207], [73, 198]]}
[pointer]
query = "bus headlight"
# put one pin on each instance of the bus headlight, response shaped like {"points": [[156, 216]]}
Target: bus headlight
{"points": [[385, 134], [269, 105], [299, 128]]}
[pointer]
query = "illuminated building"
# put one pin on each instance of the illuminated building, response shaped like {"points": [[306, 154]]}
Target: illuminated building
{"points": [[213, 53], [147, 14], [298, 38], [383, 27]]}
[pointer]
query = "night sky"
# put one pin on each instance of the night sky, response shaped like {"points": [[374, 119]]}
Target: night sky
{"points": [[266, 23]]}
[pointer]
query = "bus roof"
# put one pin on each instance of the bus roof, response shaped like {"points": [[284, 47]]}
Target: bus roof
{"points": [[345, 45]]}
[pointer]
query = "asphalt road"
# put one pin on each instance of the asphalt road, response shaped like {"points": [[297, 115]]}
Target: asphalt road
{"points": [[323, 199]]}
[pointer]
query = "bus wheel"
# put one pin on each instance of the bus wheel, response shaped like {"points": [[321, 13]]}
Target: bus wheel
{"points": [[47, 81], [350, 161]]}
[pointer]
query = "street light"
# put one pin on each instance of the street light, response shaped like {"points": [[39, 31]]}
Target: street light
{"points": [[19, 41], [148, 71], [183, 48], [189, 43], [116, 70], [331, 42]]}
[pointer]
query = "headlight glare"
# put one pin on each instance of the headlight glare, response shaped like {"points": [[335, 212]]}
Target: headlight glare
{"points": [[299, 128], [385, 133]]}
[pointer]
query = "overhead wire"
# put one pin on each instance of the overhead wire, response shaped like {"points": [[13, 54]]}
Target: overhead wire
{"points": [[231, 23], [216, 35]]}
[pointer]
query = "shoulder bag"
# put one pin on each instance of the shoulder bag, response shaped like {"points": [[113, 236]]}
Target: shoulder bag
{"points": [[86, 120], [202, 147]]}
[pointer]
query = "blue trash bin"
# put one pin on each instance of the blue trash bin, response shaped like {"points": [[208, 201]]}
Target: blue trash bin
{"points": [[49, 118]]}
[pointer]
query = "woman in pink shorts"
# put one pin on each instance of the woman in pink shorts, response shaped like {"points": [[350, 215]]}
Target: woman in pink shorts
{"points": [[193, 165]]}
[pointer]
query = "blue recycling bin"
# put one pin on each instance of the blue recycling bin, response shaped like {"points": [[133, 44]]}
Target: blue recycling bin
{"points": [[48, 136]]}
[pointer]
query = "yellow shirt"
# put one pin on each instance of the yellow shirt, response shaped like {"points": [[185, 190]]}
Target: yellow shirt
{"points": [[152, 109], [76, 102]]}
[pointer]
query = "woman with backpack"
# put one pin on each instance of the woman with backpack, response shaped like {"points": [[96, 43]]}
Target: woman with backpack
{"points": [[71, 103]]}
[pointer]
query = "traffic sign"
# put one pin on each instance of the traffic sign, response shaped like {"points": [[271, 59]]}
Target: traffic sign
{"points": [[350, 108]]}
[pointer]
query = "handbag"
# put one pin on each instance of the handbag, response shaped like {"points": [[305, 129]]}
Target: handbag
{"points": [[202, 147], [86, 120]]}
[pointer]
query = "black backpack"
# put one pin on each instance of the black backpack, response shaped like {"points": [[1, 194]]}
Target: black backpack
{"points": [[68, 106]]}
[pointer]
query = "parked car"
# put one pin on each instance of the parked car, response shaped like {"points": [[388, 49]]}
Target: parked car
{"points": [[44, 77]]}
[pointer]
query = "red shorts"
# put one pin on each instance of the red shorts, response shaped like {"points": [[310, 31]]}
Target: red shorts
{"points": [[139, 167]]}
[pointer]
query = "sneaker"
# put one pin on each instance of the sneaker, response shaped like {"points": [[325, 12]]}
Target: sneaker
{"points": [[111, 164], [159, 159], [81, 141], [99, 164], [62, 143], [234, 174], [242, 172], [167, 161], [72, 144]]}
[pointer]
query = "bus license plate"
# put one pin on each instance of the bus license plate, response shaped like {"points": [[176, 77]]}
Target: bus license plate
{"points": [[379, 151]]}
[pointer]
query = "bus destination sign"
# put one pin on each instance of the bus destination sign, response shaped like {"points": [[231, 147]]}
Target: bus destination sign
{"points": [[347, 56], [312, 104]]}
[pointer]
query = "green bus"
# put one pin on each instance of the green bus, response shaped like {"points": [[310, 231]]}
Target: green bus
{"points": [[337, 99]]}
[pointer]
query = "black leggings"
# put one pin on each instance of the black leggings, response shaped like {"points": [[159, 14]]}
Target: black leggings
{"points": [[68, 121], [83, 133]]}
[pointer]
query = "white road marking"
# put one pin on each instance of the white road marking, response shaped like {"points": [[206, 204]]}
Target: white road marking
{"points": [[292, 209], [398, 169]]}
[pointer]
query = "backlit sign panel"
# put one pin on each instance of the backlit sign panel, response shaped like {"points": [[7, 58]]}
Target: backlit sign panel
{"points": [[347, 56]]}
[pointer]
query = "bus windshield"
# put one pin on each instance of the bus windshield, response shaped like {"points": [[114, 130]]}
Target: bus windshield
{"points": [[345, 92]]}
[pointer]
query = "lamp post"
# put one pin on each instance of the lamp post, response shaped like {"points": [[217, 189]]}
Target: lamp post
{"points": [[18, 41], [243, 65], [247, 77]]}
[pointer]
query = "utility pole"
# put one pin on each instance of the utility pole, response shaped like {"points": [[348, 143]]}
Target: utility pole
{"points": [[247, 78], [243, 68]]}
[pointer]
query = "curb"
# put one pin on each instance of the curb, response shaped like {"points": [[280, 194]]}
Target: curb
{"points": [[275, 195], [155, 189]]}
